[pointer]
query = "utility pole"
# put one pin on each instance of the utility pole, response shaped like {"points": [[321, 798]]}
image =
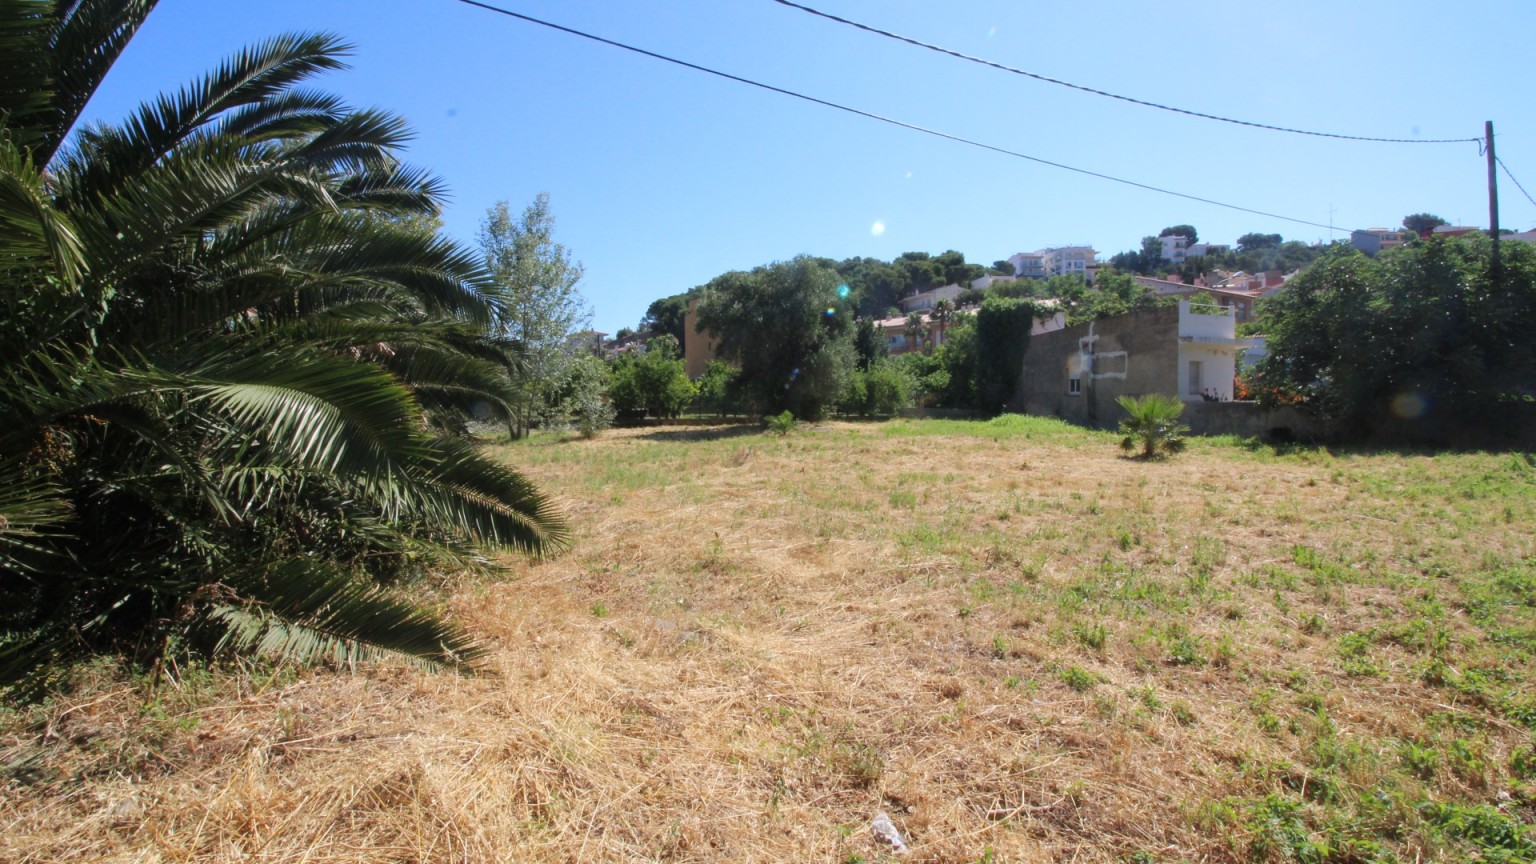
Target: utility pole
{"points": [[1493, 193]]}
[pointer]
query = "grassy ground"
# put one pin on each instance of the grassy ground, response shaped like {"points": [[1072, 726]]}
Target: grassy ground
{"points": [[1018, 644]]}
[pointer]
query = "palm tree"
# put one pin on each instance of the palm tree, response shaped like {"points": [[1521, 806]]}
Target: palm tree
{"points": [[1153, 423], [917, 330], [225, 332], [942, 310]]}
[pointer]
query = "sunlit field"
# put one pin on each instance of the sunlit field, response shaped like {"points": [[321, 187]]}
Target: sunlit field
{"points": [[1016, 643]]}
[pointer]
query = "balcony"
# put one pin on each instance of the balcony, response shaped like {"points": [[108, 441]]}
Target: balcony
{"points": [[1208, 323]]}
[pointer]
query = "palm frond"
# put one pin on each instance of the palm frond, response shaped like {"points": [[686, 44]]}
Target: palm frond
{"points": [[56, 53], [293, 114], [308, 611], [112, 158], [32, 509], [460, 490], [358, 141], [32, 233]]}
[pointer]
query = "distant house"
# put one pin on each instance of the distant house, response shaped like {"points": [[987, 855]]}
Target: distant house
{"points": [[1522, 236], [1372, 240], [1200, 250], [985, 282], [587, 342], [1238, 291], [1028, 265], [1053, 261], [1078, 372], [1170, 287], [899, 340], [1454, 230], [1067, 260], [1174, 247], [926, 299]]}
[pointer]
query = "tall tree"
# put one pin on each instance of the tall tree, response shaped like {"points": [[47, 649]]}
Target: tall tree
{"points": [[1186, 231], [668, 315], [1422, 223], [868, 343], [788, 331], [1254, 241], [538, 306], [218, 349]]}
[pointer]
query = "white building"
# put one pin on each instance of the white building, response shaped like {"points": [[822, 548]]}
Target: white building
{"points": [[1067, 260], [925, 300], [1174, 247], [1028, 265]]}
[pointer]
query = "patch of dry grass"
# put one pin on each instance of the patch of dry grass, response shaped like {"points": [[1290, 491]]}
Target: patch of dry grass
{"points": [[1015, 642]]}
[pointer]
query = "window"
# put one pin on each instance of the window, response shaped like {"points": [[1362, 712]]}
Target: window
{"points": [[1196, 368], [1074, 386]]}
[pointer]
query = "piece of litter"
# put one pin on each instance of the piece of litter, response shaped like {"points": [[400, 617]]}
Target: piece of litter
{"points": [[885, 831]]}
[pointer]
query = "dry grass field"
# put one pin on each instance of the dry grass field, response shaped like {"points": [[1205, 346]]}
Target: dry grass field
{"points": [[1018, 644]]}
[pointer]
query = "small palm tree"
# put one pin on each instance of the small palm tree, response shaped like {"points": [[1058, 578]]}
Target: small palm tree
{"points": [[781, 424], [1153, 424]]}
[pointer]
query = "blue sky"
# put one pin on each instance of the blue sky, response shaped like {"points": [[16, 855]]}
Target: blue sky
{"points": [[661, 177]]}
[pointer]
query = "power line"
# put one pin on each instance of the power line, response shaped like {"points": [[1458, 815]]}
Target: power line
{"points": [[1511, 176], [883, 119], [995, 65]]}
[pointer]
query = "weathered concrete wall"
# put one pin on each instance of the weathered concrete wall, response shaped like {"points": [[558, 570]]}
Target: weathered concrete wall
{"points": [[1250, 418], [1131, 354]]}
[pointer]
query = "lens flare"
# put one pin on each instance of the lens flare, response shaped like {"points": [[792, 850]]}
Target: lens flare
{"points": [[877, 229], [842, 290], [1410, 406], [831, 311]]}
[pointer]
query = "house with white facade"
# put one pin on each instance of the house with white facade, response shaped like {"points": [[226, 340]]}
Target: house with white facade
{"points": [[925, 300], [982, 283], [1067, 260], [1174, 248], [1028, 265], [1053, 261]]}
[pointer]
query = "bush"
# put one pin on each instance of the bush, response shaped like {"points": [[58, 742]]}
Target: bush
{"points": [[883, 390]]}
